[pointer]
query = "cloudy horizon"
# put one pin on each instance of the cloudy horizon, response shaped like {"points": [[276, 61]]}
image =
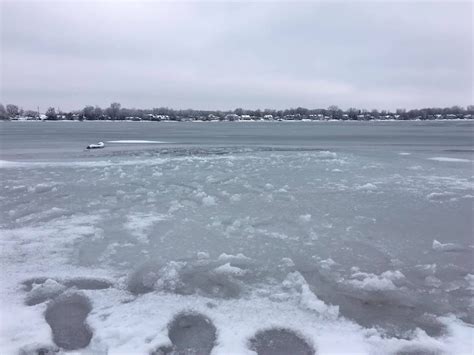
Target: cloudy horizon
{"points": [[214, 55]]}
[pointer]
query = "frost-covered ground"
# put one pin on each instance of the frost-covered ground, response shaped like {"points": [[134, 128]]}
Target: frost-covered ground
{"points": [[352, 246]]}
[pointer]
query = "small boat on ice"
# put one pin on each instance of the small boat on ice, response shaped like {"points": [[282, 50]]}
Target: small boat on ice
{"points": [[96, 145]]}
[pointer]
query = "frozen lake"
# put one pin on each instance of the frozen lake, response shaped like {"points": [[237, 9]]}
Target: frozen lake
{"points": [[230, 238]]}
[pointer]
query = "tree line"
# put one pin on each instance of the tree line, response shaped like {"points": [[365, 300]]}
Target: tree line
{"points": [[116, 112]]}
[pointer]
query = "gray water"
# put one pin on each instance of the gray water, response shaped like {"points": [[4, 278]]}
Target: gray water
{"points": [[31, 139], [376, 218]]}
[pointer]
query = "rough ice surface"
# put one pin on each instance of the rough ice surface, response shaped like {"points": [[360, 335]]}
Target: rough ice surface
{"points": [[237, 239]]}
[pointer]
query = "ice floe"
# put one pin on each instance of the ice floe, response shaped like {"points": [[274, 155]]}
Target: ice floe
{"points": [[450, 160], [448, 247], [372, 282]]}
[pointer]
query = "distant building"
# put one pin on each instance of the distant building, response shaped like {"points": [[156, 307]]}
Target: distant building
{"points": [[268, 117], [245, 117], [160, 118]]}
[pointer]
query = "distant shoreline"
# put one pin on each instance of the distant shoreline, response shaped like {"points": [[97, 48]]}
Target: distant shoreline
{"points": [[247, 121]]}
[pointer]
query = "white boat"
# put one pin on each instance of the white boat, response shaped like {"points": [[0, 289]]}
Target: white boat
{"points": [[96, 145]]}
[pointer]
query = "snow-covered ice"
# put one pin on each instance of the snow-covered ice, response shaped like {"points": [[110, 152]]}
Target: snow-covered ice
{"points": [[236, 247], [451, 160]]}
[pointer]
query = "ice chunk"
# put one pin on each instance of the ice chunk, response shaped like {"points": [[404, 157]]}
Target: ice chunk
{"points": [[235, 198], [269, 187], [372, 282], [448, 247], [440, 196], [450, 160], [201, 255], [19, 188], [230, 270], [432, 281], [367, 187], [308, 300], [470, 280], [287, 262], [42, 188], [324, 154], [44, 291], [186, 279], [305, 217], [143, 279], [327, 263], [140, 224], [208, 201], [169, 278]]}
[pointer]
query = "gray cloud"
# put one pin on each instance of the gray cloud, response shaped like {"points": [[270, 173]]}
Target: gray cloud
{"points": [[225, 55]]}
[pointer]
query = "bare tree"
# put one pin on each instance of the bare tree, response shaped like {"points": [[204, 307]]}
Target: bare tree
{"points": [[98, 112], [12, 110], [31, 114], [88, 112], [3, 113], [51, 114], [114, 110]]}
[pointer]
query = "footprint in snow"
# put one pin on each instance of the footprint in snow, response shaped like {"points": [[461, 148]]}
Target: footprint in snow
{"points": [[190, 334], [280, 342], [66, 315]]}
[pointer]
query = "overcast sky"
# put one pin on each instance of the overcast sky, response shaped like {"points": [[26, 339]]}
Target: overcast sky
{"points": [[215, 55]]}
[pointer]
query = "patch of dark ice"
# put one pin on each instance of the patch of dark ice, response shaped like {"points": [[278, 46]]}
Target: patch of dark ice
{"points": [[398, 310], [280, 341], [204, 277]]}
